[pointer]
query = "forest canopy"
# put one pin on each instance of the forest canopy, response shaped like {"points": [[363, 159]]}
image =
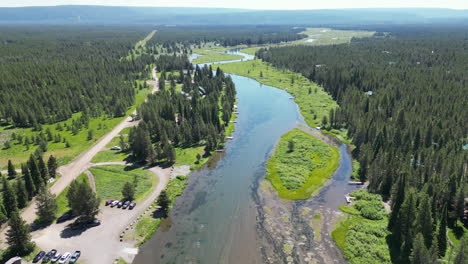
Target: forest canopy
{"points": [[402, 98], [49, 73]]}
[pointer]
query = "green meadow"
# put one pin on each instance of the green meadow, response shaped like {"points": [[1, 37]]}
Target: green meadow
{"points": [[313, 101], [296, 174], [212, 56], [110, 180], [19, 153]]}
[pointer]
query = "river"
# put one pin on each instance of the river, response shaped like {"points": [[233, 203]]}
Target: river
{"points": [[229, 214]]}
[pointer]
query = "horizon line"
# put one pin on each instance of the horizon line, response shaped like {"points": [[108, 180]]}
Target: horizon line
{"points": [[247, 9]]}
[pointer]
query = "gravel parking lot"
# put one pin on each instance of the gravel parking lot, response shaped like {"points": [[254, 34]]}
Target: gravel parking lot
{"points": [[101, 244]]}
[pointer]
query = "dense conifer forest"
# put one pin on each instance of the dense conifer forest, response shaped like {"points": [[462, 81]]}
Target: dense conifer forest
{"points": [[228, 35], [403, 100], [196, 115], [49, 73]]}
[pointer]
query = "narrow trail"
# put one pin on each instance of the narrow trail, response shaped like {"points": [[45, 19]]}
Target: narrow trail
{"points": [[92, 182], [80, 164]]}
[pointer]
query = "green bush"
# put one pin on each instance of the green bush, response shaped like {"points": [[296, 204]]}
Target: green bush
{"points": [[365, 242], [373, 210]]}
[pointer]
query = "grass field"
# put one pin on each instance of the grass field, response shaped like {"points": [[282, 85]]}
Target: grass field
{"points": [[313, 101], [18, 153], [112, 155], [297, 174], [111, 179], [327, 36], [212, 56]]}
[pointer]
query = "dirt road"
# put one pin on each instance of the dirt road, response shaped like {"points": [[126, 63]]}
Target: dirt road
{"points": [[80, 164]]}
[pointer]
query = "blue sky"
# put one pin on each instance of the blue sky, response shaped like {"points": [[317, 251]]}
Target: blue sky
{"points": [[251, 4]]}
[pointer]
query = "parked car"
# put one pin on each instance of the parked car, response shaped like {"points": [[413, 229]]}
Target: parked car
{"points": [[49, 256], [65, 217], [126, 204], [39, 256], [114, 203], [116, 148], [64, 257], [108, 202], [56, 257], [119, 205], [131, 206], [75, 257]]}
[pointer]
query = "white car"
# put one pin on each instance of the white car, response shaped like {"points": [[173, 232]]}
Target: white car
{"points": [[116, 148], [64, 257], [56, 257]]}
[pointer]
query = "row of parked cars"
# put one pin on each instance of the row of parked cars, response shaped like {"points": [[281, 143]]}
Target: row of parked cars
{"points": [[54, 257], [121, 204]]}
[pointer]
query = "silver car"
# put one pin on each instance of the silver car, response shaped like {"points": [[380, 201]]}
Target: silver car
{"points": [[56, 257], [64, 257]]}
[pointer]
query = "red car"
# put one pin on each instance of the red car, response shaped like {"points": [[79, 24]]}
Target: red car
{"points": [[108, 202], [119, 205]]}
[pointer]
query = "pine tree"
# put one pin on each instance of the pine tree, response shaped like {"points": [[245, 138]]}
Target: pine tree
{"points": [[82, 200], [46, 205], [407, 219], [52, 166], [11, 170], [28, 181], [163, 201], [18, 236], [170, 153], [3, 216], [21, 194], [420, 254], [425, 221], [34, 170], [44, 172], [460, 203], [128, 191], [442, 235], [9, 197], [398, 197]]}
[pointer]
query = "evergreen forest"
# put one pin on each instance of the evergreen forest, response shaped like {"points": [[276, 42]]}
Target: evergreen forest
{"points": [[402, 98], [51, 72]]}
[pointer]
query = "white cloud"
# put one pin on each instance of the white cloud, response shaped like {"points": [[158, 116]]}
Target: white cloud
{"points": [[251, 4]]}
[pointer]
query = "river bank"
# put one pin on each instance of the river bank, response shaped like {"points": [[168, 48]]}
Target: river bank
{"points": [[229, 214]]}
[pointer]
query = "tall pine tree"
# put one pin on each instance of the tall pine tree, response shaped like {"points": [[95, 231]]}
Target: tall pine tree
{"points": [[28, 182], [9, 198], [18, 236], [21, 194], [442, 235]]}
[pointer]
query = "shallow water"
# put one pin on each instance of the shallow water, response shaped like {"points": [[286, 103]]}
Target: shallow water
{"points": [[220, 217]]}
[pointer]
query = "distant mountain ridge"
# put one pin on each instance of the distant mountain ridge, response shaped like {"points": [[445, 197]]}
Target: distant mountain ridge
{"points": [[76, 14]]}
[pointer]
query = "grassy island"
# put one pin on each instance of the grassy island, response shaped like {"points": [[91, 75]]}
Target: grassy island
{"points": [[301, 164]]}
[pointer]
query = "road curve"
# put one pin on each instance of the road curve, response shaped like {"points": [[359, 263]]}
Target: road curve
{"points": [[80, 164]]}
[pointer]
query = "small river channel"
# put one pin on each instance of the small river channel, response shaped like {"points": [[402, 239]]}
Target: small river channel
{"points": [[229, 214]]}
